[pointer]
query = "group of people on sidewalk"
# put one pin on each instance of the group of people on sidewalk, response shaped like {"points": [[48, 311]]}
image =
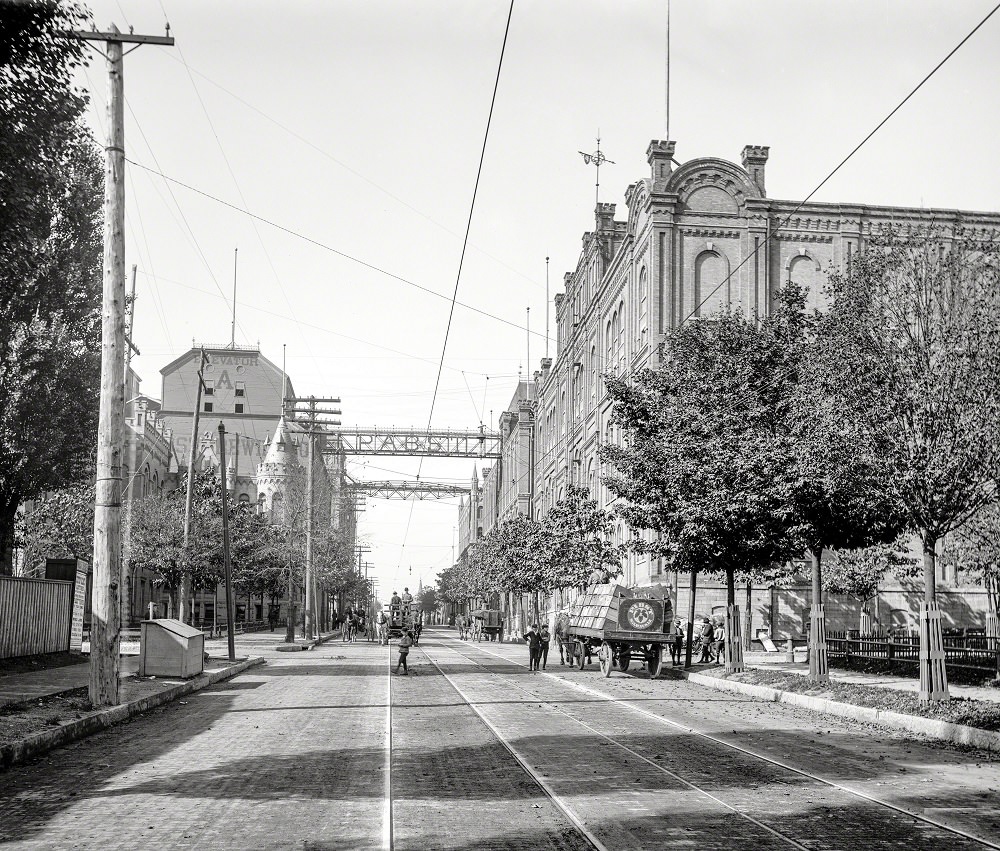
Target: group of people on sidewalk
{"points": [[709, 639]]}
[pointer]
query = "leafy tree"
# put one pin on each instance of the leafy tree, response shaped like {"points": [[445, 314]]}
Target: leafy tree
{"points": [[428, 599], [511, 559], [576, 536], [51, 186], [60, 524], [845, 499], [859, 572], [157, 536], [707, 464], [974, 550], [913, 346]]}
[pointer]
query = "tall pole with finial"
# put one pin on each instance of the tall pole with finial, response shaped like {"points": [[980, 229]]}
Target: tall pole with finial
{"points": [[546, 307], [527, 330], [597, 158], [666, 93], [232, 338]]}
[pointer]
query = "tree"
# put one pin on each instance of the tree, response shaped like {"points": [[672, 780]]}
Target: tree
{"points": [[427, 599], [576, 536], [859, 573], [707, 465], [510, 560], [51, 183], [60, 524], [157, 536], [912, 342], [845, 498], [974, 550]]}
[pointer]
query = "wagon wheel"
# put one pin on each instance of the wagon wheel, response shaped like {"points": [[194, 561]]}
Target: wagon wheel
{"points": [[578, 653], [624, 658], [654, 661], [604, 656]]}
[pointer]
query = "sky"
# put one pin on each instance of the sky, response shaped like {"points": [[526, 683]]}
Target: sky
{"points": [[355, 129]]}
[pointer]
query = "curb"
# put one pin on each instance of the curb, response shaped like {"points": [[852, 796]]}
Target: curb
{"points": [[946, 731], [16, 753]]}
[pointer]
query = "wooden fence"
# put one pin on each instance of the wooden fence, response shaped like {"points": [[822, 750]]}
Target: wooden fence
{"points": [[961, 651], [35, 616]]}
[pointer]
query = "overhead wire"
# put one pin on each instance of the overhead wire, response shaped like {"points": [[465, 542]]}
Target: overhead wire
{"points": [[317, 243], [347, 167], [773, 231], [461, 260]]}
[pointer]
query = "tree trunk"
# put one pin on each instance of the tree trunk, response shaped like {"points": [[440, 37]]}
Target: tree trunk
{"points": [[8, 512], [933, 676], [747, 637], [818, 664], [690, 627], [733, 640]]}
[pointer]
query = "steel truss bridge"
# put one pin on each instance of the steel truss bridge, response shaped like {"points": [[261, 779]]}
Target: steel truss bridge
{"points": [[408, 489], [359, 440]]}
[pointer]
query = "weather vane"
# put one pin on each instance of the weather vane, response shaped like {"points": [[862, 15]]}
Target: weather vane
{"points": [[597, 158]]}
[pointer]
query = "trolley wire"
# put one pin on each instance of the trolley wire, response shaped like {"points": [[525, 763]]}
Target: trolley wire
{"points": [[461, 261], [771, 235]]}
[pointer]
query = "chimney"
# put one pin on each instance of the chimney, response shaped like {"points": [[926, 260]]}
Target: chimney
{"points": [[660, 155], [606, 216], [754, 160]]}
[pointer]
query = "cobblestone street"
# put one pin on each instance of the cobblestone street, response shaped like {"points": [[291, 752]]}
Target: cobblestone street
{"points": [[294, 755]]}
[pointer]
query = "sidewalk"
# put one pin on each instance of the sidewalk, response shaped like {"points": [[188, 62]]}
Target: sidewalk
{"points": [[907, 684], [888, 681], [18, 688]]}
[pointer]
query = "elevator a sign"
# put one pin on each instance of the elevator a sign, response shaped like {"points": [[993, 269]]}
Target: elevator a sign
{"points": [[449, 444]]}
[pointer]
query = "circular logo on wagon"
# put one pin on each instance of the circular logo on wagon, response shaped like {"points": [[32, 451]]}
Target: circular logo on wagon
{"points": [[641, 615]]}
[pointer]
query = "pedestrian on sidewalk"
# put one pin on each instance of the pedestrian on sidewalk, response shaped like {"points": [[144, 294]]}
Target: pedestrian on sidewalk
{"points": [[544, 638], [405, 643], [719, 642], [705, 636], [677, 642], [534, 642]]}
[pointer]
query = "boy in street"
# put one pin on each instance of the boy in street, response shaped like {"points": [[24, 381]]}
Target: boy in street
{"points": [[544, 638], [405, 643], [534, 642]]}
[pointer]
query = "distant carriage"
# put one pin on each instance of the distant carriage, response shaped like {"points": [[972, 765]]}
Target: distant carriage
{"points": [[618, 625], [401, 617], [489, 624]]}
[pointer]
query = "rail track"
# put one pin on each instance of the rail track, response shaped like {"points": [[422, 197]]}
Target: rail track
{"points": [[598, 725]]}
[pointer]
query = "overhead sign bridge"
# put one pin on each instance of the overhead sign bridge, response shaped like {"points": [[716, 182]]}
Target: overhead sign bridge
{"points": [[358, 440], [408, 489]]}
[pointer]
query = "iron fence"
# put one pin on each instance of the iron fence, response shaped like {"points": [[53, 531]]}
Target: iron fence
{"points": [[963, 650]]}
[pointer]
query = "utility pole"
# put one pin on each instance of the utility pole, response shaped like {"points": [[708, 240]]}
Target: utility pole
{"points": [[226, 560], [106, 622], [185, 589], [308, 407]]}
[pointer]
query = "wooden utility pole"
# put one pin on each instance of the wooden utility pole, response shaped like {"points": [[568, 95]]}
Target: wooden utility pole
{"points": [[307, 406], [226, 561], [185, 590], [106, 618]]}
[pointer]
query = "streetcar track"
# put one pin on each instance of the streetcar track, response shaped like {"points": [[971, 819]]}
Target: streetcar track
{"points": [[540, 781], [709, 737], [732, 808], [387, 827]]}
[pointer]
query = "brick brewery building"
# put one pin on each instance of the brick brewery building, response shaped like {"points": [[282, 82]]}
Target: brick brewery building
{"points": [[687, 228]]}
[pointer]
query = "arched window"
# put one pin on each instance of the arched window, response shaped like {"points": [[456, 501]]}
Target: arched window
{"points": [[244, 498], [643, 306], [712, 286], [594, 372], [620, 334], [277, 509], [609, 346]]}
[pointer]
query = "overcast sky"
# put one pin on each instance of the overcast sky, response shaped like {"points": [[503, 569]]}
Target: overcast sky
{"points": [[359, 125]]}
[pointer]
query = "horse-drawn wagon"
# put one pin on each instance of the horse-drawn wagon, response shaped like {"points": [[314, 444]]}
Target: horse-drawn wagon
{"points": [[619, 624], [489, 623], [399, 617]]}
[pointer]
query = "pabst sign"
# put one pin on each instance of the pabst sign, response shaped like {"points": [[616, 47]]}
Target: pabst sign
{"points": [[640, 615]]}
